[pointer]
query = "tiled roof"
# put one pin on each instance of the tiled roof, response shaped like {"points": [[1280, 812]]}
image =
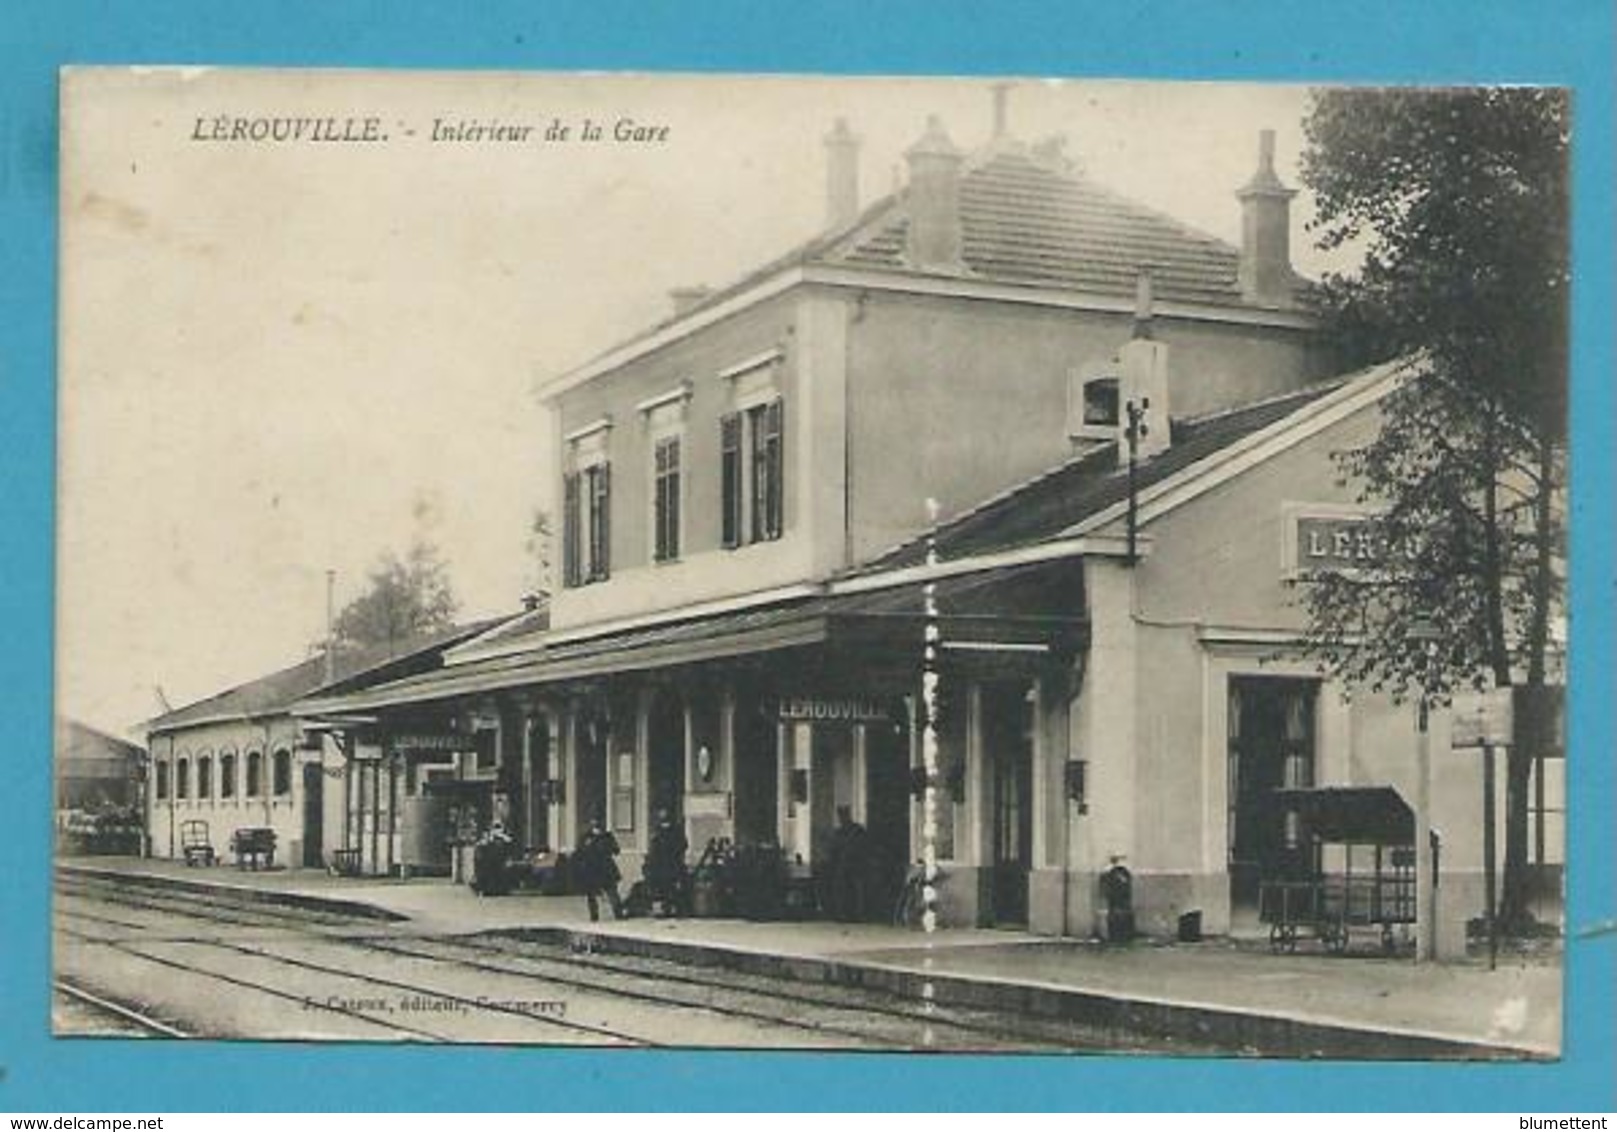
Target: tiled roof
{"points": [[1026, 221], [1031, 221], [81, 743], [276, 692], [1086, 485]]}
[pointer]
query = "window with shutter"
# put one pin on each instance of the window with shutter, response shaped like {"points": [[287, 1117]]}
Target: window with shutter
{"points": [[774, 451], [730, 474], [758, 503], [674, 474], [665, 518], [763, 425], [572, 575], [600, 501]]}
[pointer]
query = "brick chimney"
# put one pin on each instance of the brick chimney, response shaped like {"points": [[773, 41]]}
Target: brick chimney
{"points": [[1265, 273], [1002, 114], [841, 175], [934, 241], [686, 299]]}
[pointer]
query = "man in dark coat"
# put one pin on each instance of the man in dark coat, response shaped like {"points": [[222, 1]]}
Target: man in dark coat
{"points": [[595, 869], [491, 862], [665, 865], [850, 865]]}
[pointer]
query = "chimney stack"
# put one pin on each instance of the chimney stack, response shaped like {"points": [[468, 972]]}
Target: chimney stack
{"points": [[1144, 303], [841, 175], [1002, 97], [1265, 272], [331, 626], [688, 298], [934, 242]]}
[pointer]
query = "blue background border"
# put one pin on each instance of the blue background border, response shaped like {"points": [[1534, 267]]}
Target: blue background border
{"points": [[1458, 41]]}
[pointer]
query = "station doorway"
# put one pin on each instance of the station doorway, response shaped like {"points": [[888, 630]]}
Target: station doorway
{"points": [[589, 769], [1007, 731], [755, 763], [314, 815], [536, 813], [887, 812], [860, 770], [665, 757], [1271, 745]]}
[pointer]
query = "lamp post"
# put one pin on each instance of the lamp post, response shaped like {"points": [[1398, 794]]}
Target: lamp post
{"points": [[1426, 634]]}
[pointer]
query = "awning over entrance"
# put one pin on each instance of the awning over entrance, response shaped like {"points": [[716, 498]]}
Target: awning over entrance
{"points": [[1356, 815], [1034, 609]]}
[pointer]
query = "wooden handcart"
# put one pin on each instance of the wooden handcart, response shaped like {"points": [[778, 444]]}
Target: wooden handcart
{"points": [[195, 844], [1353, 868]]}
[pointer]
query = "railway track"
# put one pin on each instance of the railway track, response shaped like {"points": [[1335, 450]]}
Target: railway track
{"points": [[358, 999], [122, 1020], [147, 943], [263, 950], [858, 1012], [214, 905]]}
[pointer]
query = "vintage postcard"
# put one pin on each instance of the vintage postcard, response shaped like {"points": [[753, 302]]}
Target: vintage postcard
{"points": [[836, 563]]}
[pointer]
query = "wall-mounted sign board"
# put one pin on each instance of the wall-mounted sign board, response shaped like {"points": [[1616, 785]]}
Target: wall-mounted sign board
{"points": [[709, 805]]}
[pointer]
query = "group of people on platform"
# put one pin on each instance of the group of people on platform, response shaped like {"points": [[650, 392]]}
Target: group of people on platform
{"points": [[666, 880], [666, 887]]}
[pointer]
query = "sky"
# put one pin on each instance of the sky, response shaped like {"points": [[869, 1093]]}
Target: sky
{"points": [[279, 360]]}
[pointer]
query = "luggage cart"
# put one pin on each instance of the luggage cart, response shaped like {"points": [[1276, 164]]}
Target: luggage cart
{"points": [[195, 844], [1354, 868]]}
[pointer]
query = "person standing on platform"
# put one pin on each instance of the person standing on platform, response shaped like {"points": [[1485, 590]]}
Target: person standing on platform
{"points": [[596, 869], [850, 868], [665, 865]]}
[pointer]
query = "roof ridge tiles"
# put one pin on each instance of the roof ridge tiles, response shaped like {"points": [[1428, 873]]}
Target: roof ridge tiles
{"points": [[1004, 186], [280, 688]]}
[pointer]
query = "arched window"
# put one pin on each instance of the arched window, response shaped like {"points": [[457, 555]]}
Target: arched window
{"points": [[182, 778], [162, 779], [204, 778], [255, 774], [283, 772], [227, 776]]}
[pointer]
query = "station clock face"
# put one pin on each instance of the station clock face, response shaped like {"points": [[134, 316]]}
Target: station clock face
{"points": [[704, 763]]}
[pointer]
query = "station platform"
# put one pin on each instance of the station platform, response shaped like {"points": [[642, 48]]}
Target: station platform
{"points": [[1232, 994]]}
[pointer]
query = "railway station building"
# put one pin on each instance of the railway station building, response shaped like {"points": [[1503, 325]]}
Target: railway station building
{"points": [[240, 760], [920, 421]]}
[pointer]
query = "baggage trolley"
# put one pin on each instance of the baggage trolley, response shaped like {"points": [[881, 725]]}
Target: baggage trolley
{"points": [[1353, 869]]}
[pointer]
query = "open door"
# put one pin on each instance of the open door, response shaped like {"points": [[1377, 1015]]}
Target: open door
{"points": [[314, 813], [1271, 747], [1007, 729]]}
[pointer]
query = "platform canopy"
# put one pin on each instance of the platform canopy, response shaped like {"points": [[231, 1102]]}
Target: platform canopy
{"points": [[1022, 611]]}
